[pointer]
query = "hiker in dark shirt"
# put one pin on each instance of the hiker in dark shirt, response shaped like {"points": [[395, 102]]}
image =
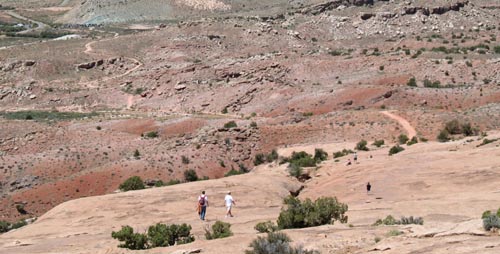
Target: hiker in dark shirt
{"points": [[368, 187]]}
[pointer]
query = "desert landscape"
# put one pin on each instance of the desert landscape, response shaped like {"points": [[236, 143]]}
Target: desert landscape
{"points": [[217, 95]]}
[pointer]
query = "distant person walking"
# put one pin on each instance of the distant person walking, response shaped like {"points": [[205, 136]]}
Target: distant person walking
{"points": [[202, 205], [348, 163], [355, 157], [368, 187], [229, 204]]}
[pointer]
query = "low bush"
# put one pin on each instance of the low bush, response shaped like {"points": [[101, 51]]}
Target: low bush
{"points": [[159, 235], [230, 124], [173, 182], [295, 170], [379, 143], [190, 175], [395, 149], [298, 214], [320, 155], [361, 145], [301, 159], [275, 243], [266, 227], [389, 220], [218, 230], [133, 183], [185, 159], [262, 158], [490, 222], [402, 139], [342, 153], [394, 232], [412, 82], [412, 141], [152, 134], [443, 136], [272, 156], [4, 226], [46, 115]]}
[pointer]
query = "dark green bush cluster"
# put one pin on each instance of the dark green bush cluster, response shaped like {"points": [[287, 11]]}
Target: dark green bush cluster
{"points": [[266, 227], [159, 235], [344, 152], [46, 115], [491, 220], [395, 149], [412, 141], [402, 139], [487, 141], [320, 155], [230, 124], [262, 158], [299, 214], [218, 230], [6, 226], [432, 84], [275, 243], [133, 183], [361, 145], [190, 175], [232, 172], [152, 134], [389, 220], [455, 127], [412, 82], [378, 143], [301, 159]]}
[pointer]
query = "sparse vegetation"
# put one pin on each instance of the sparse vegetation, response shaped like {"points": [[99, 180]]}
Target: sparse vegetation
{"points": [[378, 143], [230, 124], [395, 149], [185, 159], [394, 232], [132, 183], [412, 141], [402, 139], [389, 220], [342, 153], [152, 134], [262, 158], [46, 115], [137, 154], [159, 235], [190, 175], [487, 141], [361, 145], [412, 82], [298, 214], [454, 127], [218, 230], [301, 159], [275, 243], [320, 155], [266, 227], [491, 221]]}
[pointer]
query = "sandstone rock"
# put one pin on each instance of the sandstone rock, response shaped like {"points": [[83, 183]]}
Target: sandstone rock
{"points": [[366, 15], [180, 87], [29, 63]]}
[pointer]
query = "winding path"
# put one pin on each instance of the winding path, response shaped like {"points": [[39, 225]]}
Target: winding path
{"points": [[403, 122], [40, 25]]}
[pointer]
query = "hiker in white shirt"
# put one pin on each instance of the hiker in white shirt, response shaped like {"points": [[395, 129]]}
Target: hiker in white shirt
{"points": [[229, 203]]}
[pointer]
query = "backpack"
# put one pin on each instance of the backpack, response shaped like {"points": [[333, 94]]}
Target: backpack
{"points": [[202, 200]]}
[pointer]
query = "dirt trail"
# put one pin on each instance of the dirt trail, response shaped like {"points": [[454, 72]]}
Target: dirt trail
{"points": [[90, 50], [403, 122], [40, 25]]}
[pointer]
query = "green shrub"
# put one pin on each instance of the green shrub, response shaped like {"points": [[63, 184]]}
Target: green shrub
{"points": [[422, 139], [272, 156], [266, 227], [396, 149], [402, 139], [219, 230], [133, 241], [161, 235], [320, 155], [389, 220], [253, 124], [233, 172], [453, 127], [133, 183], [19, 224], [486, 214], [173, 182], [190, 175], [361, 145], [152, 134], [159, 183], [498, 212], [412, 141], [379, 143], [302, 159], [412, 82], [46, 115], [295, 170], [342, 153], [230, 124], [260, 158], [4, 226], [275, 243], [299, 214], [185, 159], [490, 222], [443, 136], [394, 232], [137, 154]]}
